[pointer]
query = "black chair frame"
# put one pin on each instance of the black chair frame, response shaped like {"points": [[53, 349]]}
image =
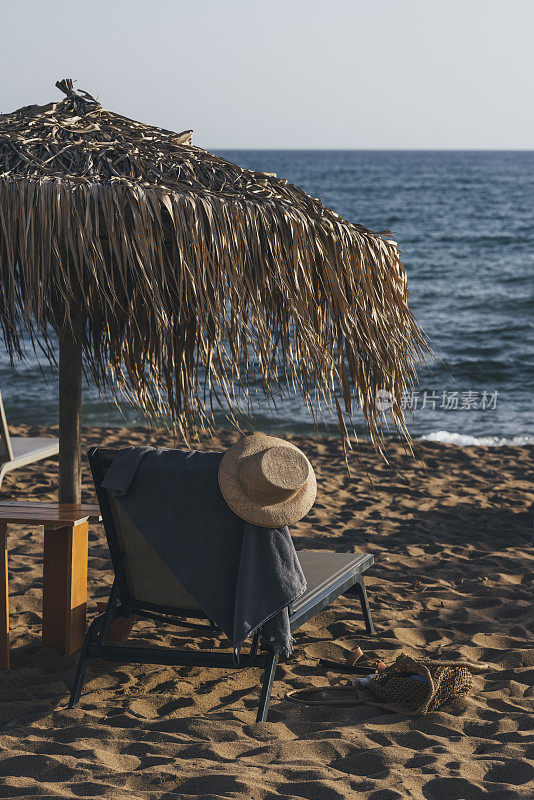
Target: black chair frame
{"points": [[121, 604]]}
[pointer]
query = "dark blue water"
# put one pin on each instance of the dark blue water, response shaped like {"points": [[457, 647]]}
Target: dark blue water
{"points": [[464, 221]]}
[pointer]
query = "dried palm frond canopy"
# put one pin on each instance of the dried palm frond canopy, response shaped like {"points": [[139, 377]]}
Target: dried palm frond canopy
{"points": [[185, 280]]}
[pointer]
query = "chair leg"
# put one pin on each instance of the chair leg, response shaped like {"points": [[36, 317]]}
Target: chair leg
{"points": [[266, 687], [4, 600], [255, 644], [80, 669], [362, 593]]}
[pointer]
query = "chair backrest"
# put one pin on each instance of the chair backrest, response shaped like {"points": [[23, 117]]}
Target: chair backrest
{"points": [[142, 576], [6, 451]]}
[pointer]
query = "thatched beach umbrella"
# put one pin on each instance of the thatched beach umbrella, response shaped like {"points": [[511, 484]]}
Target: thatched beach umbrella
{"points": [[181, 280]]}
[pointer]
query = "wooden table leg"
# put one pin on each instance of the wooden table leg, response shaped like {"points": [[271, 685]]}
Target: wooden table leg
{"points": [[4, 600], [65, 587]]}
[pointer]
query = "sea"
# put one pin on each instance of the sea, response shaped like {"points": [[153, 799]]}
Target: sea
{"points": [[465, 223]]}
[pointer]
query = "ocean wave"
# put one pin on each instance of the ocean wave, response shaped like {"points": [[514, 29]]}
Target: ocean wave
{"points": [[465, 440]]}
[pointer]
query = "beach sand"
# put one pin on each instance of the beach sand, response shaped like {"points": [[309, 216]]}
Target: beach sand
{"points": [[452, 542]]}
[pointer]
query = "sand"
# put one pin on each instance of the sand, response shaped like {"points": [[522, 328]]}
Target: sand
{"points": [[452, 542]]}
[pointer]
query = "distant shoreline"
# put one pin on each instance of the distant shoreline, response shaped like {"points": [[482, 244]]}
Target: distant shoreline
{"points": [[153, 433]]}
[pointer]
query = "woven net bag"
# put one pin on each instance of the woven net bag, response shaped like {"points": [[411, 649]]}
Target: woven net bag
{"points": [[443, 681]]}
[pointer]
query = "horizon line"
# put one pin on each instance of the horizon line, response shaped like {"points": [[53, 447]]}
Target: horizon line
{"points": [[383, 149]]}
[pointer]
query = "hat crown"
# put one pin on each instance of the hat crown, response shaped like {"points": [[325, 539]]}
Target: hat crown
{"points": [[274, 474]]}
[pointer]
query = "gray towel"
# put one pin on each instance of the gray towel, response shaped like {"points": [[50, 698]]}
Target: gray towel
{"points": [[242, 576]]}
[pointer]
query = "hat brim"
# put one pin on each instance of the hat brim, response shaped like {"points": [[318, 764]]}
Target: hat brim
{"points": [[252, 510]]}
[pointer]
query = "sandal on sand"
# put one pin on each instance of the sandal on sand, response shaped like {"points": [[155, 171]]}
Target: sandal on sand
{"points": [[301, 696]]}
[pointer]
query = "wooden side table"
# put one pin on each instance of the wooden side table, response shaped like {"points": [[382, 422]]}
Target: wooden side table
{"points": [[66, 529]]}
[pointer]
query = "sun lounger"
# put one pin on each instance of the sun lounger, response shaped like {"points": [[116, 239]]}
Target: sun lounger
{"points": [[18, 451], [145, 587]]}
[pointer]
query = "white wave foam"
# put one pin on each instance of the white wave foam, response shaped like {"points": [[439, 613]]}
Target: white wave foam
{"points": [[464, 440]]}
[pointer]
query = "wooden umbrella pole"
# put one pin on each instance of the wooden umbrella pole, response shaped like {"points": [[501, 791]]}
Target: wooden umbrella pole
{"points": [[70, 411]]}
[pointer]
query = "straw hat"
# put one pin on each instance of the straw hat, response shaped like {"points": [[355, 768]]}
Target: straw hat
{"points": [[267, 481]]}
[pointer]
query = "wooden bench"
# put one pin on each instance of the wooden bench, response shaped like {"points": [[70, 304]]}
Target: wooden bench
{"points": [[66, 528]]}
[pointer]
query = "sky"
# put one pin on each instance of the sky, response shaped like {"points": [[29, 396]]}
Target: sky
{"points": [[349, 74]]}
